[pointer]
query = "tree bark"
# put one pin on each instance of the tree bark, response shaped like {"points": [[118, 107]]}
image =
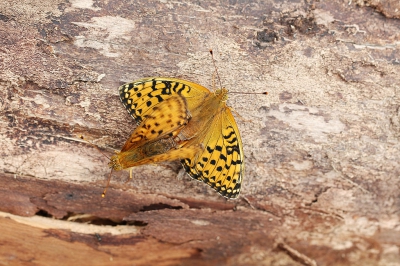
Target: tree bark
{"points": [[322, 150]]}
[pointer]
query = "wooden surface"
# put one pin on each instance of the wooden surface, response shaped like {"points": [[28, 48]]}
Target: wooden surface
{"points": [[322, 150]]}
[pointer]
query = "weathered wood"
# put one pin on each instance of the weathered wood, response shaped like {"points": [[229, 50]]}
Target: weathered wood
{"points": [[322, 149]]}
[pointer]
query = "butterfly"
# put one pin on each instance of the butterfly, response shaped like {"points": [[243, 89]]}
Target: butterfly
{"points": [[182, 120]]}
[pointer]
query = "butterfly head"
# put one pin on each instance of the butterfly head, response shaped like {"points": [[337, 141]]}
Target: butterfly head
{"points": [[222, 94], [114, 163]]}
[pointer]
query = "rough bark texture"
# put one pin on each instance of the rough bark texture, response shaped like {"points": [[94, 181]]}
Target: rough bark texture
{"points": [[322, 150]]}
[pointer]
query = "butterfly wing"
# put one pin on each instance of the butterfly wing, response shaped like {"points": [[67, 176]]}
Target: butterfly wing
{"points": [[152, 152], [220, 162], [163, 121], [141, 96], [140, 155]]}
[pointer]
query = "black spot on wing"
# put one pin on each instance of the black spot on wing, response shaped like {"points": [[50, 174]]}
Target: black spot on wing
{"points": [[231, 149], [234, 140], [159, 98], [189, 170], [230, 134]]}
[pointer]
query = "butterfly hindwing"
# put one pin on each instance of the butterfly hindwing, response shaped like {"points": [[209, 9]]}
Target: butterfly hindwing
{"points": [[142, 154], [163, 120]]}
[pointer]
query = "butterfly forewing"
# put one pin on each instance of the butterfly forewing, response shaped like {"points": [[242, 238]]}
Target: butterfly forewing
{"points": [[220, 163], [141, 96]]}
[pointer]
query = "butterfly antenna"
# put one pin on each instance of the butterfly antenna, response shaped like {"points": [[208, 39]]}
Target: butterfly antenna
{"points": [[240, 92], [215, 66], [94, 145], [108, 184], [103, 195], [220, 83]]}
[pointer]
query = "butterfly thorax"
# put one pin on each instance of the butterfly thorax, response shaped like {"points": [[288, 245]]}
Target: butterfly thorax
{"points": [[201, 120]]}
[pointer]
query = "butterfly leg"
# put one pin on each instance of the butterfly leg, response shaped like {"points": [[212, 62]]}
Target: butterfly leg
{"points": [[108, 183], [130, 175]]}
